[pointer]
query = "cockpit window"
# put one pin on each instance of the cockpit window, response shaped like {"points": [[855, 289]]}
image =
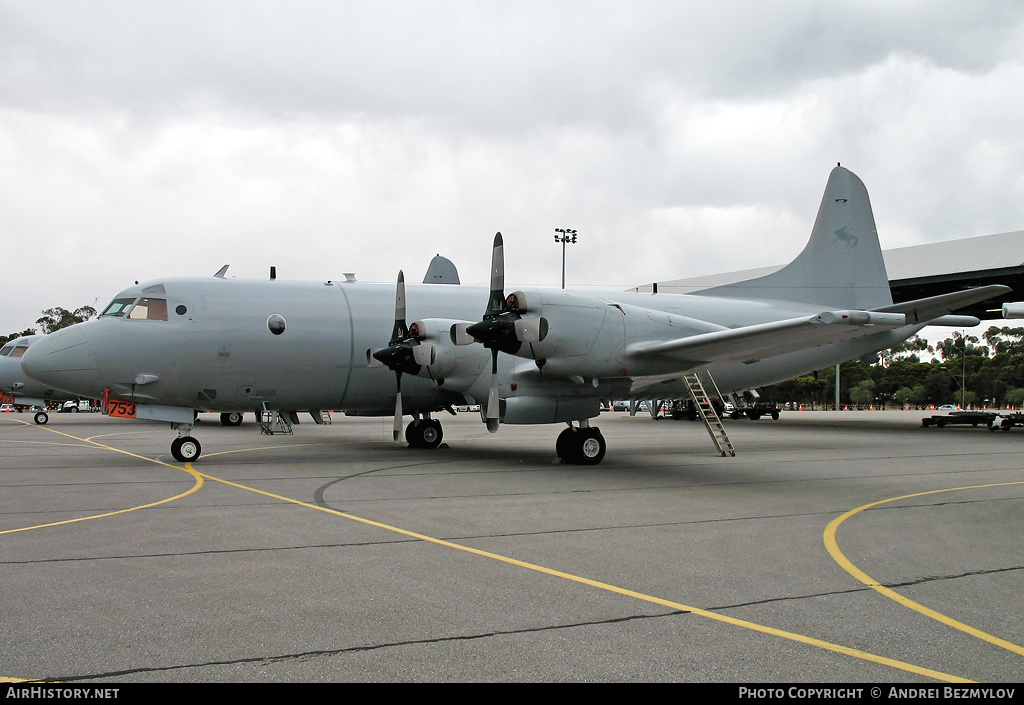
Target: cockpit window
{"points": [[13, 350], [150, 309], [118, 307]]}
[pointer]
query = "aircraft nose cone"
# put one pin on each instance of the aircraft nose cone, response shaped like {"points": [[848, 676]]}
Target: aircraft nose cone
{"points": [[61, 359]]}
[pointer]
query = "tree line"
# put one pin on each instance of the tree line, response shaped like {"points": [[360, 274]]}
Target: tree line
{"points": [[53, 319]]}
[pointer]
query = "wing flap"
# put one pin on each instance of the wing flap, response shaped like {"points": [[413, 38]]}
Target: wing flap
{"points": [[752, 343]]}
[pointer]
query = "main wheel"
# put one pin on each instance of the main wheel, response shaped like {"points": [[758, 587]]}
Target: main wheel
{"points": [[424, 433], [590, 446], [186, 449], [564, 443], [232, 418]]}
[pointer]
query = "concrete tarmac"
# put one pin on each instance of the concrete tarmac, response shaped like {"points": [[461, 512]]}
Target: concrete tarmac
{"points": [[834, 547]]}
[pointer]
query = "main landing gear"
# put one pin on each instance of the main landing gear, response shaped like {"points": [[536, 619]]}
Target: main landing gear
{"points": [[233, 418], [424, 433], [581, 446]]}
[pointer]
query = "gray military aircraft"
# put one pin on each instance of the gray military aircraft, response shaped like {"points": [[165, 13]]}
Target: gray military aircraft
{"points": [[164, 349], [15, 383]]}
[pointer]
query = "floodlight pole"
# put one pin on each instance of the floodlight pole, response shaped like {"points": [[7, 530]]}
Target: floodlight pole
{"points": [[567, 236]]}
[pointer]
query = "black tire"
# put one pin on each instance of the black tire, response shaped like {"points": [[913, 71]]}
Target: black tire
{"points": [[588, 447], [186, 449], [74, 410], [41, 418], [431, 434], [424, 433], [231, 418], [775, 415], [564, 443]]}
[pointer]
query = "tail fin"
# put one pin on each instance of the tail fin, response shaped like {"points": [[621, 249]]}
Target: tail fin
{"points": [[840, 267]]}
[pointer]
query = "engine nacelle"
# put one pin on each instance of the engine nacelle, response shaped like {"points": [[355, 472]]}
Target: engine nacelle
{"points": [[559, 323], [537, 410], [448, 359]]}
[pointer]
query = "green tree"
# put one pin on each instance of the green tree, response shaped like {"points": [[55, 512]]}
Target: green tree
{"points": [[864, 393], [57, 317], [907, 350], [1005, 340], [904, 396], [1015, 397]]}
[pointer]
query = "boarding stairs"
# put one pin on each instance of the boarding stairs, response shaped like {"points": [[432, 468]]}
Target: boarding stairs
{"points": [[712, 421], [274, 422]]}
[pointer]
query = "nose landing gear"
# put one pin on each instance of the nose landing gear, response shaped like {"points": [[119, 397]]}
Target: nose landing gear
{"points": [[185, 448]]}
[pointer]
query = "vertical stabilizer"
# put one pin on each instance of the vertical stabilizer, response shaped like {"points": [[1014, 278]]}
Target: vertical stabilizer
{"points": [[841, 266]]}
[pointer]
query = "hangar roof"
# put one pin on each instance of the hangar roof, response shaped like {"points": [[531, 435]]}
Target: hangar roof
{"points": [[923, 270]]}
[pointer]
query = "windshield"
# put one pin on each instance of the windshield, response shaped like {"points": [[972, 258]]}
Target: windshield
{"points": [[148, 308], [118, 307], [13, 350]]}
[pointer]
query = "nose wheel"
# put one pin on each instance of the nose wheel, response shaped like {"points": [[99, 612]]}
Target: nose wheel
{"points": [[185, 449]]}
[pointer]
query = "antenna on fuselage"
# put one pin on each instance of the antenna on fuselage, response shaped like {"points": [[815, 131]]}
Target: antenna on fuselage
{"points": [[273, 273]]}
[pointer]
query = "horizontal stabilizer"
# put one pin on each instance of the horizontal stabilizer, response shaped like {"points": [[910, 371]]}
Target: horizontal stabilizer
{"points": [[933, 307], [752, 343]]}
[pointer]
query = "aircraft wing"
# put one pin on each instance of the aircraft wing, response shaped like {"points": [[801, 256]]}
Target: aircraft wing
{"points": [[752, 343], [928, 309]]}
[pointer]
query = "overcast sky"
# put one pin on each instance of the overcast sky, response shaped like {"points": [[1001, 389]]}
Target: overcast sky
{"points": [[140, 140]]}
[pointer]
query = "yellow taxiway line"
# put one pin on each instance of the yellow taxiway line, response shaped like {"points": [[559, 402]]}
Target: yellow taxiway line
{"points": [[833, 548]]}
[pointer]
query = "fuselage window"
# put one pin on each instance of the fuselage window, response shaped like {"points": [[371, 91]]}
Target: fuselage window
{"points": [[13, 350], [6, 350], [118, 307], [150, 310]]}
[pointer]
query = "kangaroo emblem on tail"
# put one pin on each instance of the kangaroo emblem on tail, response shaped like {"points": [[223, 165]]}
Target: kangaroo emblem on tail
{"points": [[846, 236]]}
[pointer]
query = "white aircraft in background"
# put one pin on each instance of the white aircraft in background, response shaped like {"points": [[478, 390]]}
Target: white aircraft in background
{"points": [[166, 349]]}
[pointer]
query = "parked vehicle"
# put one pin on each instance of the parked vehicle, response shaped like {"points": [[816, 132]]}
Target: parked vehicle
{"points": [[73, 407]]}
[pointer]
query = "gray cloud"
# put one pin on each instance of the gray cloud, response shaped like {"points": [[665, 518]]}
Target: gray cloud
{"points": [[142, 139]]}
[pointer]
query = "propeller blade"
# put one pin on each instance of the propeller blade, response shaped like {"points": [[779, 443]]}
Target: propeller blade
{"points": [[496, 303], [493, 408], [397, 433], [401, 331]]}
